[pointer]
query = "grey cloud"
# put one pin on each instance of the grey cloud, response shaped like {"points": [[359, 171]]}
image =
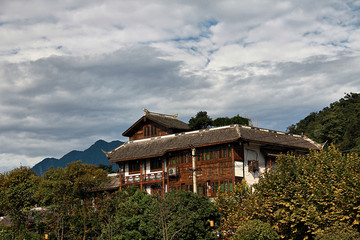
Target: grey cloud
{"points": [[260, 65], [61, 98], [291, 90]]}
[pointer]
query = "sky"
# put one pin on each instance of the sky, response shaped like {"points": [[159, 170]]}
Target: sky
{"points": [[73, 72]]}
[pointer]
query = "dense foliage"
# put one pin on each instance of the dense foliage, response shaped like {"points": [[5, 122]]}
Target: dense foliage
{"points": [[255, 230], [339, 124], [17, 189], [302, 197], [75, 180], [202, 120], [73, 211]]}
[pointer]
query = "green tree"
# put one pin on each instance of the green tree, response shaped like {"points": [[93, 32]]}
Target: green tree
{"points": [[338, 124], [233, 207], [67, 194], [181, 215], [107, 168], [130, 219], [17, 189], [306, 194], [338, 231], [224, 121], [200, 121], [76, 180], [137, 215], [255, 230]]}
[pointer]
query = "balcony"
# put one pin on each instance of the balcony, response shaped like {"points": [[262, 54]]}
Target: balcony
{"points": [[149, 177]]}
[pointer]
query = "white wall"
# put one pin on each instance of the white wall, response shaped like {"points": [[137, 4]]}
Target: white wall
{"points": [[252, 152]]}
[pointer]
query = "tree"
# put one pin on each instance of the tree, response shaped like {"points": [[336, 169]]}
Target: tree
{"points": [[305, 194], [107, 168], [255, 230], [131, 221], [301, 198], [336, 124], [338, 231], [137, 215], [200, 121], [224, 121], [66, 193], [76, 180], [17, 189], [181, 215], [233, 207]]}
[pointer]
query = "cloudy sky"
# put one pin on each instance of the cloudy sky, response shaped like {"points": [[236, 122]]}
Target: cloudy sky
{"points": [[73, 72]]}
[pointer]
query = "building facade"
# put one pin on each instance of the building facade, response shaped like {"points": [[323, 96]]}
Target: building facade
{"points": [[161, 150]]}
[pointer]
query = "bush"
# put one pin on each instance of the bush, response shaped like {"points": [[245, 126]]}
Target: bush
{"points": [[339, 231], [5, 233], [255, 230]]}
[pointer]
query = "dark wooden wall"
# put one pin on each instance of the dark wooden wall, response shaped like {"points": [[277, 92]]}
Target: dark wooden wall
{"points": [[140, 133], [214, 169]]}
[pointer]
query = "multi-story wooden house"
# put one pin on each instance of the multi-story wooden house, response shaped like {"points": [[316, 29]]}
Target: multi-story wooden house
{"points": [[159, 154]]}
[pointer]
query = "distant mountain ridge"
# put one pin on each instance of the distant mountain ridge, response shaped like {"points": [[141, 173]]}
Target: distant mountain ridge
{"points": [[92, 155]]}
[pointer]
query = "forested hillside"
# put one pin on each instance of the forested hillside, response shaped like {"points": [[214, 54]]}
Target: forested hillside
{"points": [[339, 124]]}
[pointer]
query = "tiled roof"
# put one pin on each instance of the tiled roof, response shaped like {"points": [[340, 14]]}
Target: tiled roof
{"points": [[158, 146], [169, 121]]}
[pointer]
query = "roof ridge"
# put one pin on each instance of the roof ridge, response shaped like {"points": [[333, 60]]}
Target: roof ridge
{"points": [[270, 130], [178, 134], [147, 113]]}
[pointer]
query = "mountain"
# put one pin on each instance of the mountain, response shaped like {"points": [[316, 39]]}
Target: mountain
{"points": [[92, 155], [339, 124]]}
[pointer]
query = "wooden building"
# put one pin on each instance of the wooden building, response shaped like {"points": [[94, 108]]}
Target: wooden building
{"points": [[158, 156]]}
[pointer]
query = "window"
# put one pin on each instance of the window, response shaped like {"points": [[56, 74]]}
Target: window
{"points": [[224, 152], [155, 164], [216, 187], [153, 130], [146, 131], [215, 153], [134, 167]]}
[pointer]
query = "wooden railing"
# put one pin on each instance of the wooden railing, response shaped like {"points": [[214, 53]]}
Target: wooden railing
{"points": [[149, 177]]}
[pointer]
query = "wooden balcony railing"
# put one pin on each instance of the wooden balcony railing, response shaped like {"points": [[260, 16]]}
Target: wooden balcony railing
{"points": [[149, 177]]}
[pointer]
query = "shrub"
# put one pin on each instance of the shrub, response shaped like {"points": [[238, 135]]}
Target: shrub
{"points": [[255, 230], [338, 231]]}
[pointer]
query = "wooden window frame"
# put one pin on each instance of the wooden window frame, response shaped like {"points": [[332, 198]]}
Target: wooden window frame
{"points": [[132, 165], [156, 164]]}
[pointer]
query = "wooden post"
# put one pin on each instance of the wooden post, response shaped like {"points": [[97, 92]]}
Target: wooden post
{"points": [[163, 176], [120, 174], [194, 169], [141, 175], [233, 163]]}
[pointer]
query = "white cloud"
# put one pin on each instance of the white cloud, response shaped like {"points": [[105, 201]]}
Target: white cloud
{"points": [[74, 72]]}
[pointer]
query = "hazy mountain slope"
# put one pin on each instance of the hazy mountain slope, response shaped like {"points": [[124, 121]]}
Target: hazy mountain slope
{"points": [[92, 155]]}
